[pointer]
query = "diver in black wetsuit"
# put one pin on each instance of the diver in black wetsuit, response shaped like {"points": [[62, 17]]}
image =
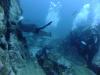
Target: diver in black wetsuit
{"points": [[87, 44], [33, 28]]}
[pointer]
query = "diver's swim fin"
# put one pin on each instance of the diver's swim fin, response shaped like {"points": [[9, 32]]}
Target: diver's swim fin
{"points": [[40, 28]]}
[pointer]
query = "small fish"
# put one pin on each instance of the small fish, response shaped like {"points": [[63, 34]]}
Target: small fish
{"points": [[83, 42], [20, 18]]}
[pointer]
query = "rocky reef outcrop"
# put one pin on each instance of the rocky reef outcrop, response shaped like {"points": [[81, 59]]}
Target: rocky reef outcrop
{"points": [[54, 62], [12, 51]]}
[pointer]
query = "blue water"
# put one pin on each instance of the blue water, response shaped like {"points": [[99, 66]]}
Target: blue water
{"points": [[36, 11]]}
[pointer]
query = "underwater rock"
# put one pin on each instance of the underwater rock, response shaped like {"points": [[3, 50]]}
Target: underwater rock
{"points": [[12, 73], [2, 28], [81, 70], [57, 64], [4, 65], [12, 51], [31, 68], [96, 63], [50, 67], [3, 42], [2, 24], [96, 59], [1, 14], [1, 65], [15, 11], [35, 43], [15, 55], [85, 42], [4, 71]]}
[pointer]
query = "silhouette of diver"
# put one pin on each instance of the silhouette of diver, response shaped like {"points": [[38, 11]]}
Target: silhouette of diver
{"points": [[33, 28], [30, 28]]}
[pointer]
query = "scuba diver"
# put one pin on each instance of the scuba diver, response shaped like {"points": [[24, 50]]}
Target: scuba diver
{"points": [[85, 34], [33, 28], [87, 43], [29, 28]]}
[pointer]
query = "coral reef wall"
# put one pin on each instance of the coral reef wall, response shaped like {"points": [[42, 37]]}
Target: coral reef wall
{"points": [[12, 50]]}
